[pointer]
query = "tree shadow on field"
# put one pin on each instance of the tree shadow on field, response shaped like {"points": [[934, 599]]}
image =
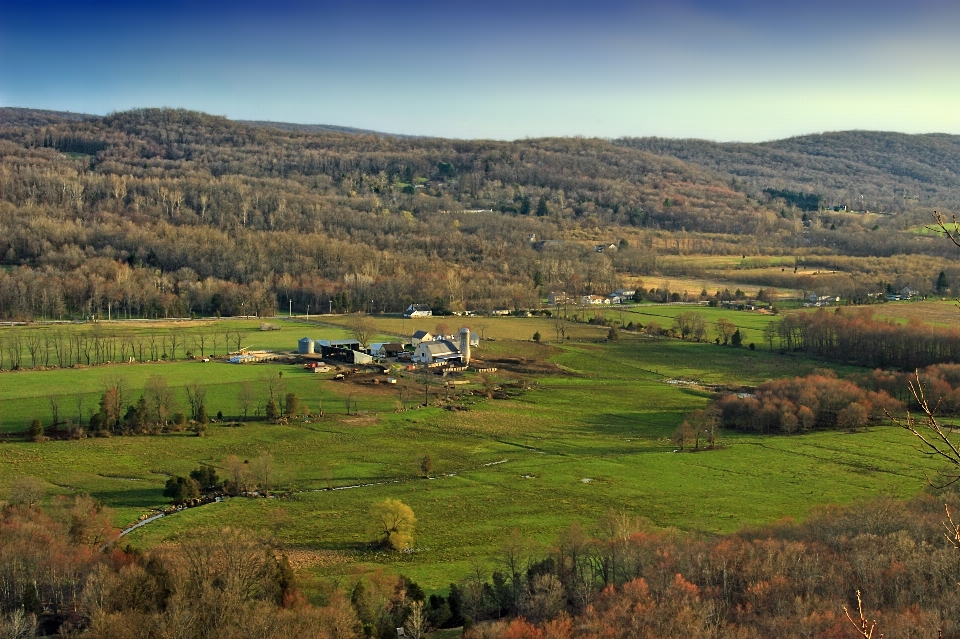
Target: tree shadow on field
{"points": [[639, 425], [146, 497]]}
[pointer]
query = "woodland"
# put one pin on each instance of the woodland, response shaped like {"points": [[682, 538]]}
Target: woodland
{"points": [[620, 580], [159, 213]]}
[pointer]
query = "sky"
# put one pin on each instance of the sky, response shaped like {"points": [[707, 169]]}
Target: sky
{"points": [[727, 70]]}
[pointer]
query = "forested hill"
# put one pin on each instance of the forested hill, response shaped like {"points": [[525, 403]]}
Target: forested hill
{"points": [[310, 128], [14, 116], [894, 172], [161, 211]]}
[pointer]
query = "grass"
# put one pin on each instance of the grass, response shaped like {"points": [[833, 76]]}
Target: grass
{"points": [[587, 438]]}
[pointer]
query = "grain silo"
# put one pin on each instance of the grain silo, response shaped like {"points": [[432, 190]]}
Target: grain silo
{"points": [[305, 346], [465, 345]]}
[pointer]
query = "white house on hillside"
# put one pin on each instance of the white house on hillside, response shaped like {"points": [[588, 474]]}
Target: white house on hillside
{"points": [[418, 310]]}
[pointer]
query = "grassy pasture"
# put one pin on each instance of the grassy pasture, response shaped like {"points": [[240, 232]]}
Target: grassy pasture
{"points": [[936, 312], [590, 437], [144, 339]]}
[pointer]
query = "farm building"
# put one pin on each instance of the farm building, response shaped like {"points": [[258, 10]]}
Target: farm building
{"points": [[444, 351], [390, 349], [421, 336], [418, 310]]}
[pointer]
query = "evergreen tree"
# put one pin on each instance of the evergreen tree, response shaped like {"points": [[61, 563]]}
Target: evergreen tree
{"points": [[35, 432], [737, 339], [943, 284], [293, 405], [525, 205], [542, 210], [273, 413]]}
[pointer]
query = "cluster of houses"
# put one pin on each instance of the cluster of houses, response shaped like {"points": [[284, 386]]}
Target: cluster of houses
{"points": [[425, 310], [815, 299], [423, 348], [619, 296]]}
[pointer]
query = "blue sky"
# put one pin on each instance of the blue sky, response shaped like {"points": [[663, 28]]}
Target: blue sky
{"points": [[734, 70]]}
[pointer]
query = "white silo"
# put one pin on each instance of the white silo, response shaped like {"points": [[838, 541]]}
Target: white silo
{"points": [[465, 345]]}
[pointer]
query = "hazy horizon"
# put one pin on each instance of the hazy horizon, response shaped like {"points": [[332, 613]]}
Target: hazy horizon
{"points": [[726, 71]]}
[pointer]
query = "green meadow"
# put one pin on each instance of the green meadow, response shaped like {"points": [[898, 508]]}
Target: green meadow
{"points": [[588, 434]]}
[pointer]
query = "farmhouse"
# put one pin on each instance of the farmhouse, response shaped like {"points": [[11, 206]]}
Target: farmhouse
{"points": [[554, 298], [418, 310], [421, 336], [500, 310], [594, 299]]}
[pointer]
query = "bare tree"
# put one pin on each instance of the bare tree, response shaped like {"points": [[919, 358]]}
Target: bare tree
{"points": [[950, 229], [246, 396], [200, 342], [933, 436], [362, 328], [262, 470], [160, 399], [560, 328], [196, 398], [54, 410]]}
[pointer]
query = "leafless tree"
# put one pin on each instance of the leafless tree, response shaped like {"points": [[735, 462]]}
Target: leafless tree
{"points": [[246, 396], [932, 435], [560, 328], [362, 328], [54, 410], [196, 397], [950, 229]]}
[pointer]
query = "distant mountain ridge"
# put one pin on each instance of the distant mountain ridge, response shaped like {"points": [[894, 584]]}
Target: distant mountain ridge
{"points": [[877, 171], [890, 170], [312, 128], [16, 116]]}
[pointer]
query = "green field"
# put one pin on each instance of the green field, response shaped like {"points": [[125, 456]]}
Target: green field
{"points": [[589, 434]]}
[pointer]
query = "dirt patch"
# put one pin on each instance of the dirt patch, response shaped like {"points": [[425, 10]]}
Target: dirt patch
{"points": [[521, 365], [359, 420], [302, 558]]}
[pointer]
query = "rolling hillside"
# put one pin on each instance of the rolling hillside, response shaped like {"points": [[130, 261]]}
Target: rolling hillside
{"points": [[894, 172]]}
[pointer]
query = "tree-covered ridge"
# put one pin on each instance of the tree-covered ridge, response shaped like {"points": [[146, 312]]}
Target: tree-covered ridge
{"points": [[136, 209], [14, 116], [172, 212], [894, 172]]}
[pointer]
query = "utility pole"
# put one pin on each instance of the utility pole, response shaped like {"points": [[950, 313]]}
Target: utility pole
{"points": [[290, 312]]}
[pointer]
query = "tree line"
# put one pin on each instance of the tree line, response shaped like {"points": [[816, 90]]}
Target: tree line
{"points": [[815, 402], [97, 344], [161, 408], [857, 338]]}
